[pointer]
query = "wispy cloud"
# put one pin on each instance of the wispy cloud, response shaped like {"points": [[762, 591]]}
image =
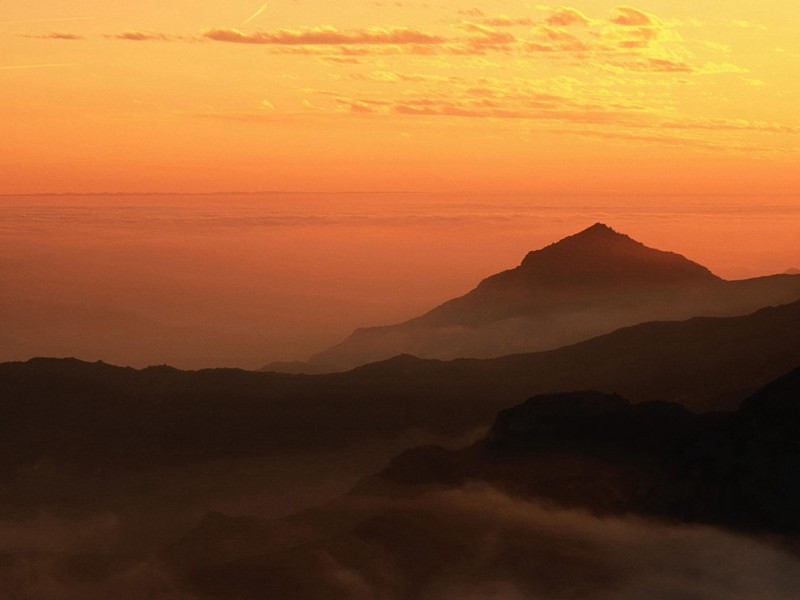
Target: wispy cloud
{"points": [[146, 36], [48, 20], [631, 17], [39, 66], [54, 35], [325, 36], [565, 17]]}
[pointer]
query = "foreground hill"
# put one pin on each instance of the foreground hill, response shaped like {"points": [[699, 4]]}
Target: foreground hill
{"points": [[598, 452], [67, 411], [428, 527], [583, 286]]}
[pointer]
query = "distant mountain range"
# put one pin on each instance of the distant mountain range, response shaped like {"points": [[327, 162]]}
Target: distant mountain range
{"points": [[583, 286], [68, 411]]}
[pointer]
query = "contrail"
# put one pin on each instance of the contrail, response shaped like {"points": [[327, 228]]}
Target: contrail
{"points": [[47, 66], [256, 14], [46, 20]]}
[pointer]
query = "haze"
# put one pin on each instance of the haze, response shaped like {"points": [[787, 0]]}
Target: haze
{"points": [[225, 280]]}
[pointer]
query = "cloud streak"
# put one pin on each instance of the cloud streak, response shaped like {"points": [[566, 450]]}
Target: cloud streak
{"points": [[53, 36], [256, 14], [37, 66], [145, 36], [50, 20], [325, 36]]}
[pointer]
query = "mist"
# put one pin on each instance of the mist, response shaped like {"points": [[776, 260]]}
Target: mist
{"points": [[209, 281], [471, 543]]}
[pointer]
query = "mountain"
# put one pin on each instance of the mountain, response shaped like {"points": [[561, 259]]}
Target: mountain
{"points": [[434, 522], [583, 286], [101, 465], [792, 272], [597, 451], [71, 412]]}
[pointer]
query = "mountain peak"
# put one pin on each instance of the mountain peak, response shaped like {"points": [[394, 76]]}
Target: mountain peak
{"points": [[600, 229], [599, 253], [599, 233]]}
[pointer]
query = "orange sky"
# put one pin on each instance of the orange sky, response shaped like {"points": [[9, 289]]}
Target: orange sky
{"points": [[677, 96]]}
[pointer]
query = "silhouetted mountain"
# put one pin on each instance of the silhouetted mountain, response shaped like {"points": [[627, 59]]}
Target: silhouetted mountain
{"points": [[583, 286], [792, 272], [67, 411], [428, 522], [599, 452]]}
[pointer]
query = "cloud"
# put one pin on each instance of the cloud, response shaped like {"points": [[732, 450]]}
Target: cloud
{"points": [[144, 36], [667, 140], [471, 12], [630, 40], [487, 104], [633, 55], [38, 66], [603, 116], [631, 17], [552, 39], [53, 36], [342, 60], [356, 106], [50, 20], [505, 21], [731, 125], [485, 35], [565, 17], [659, 65], [479, 544], [325, 36]]}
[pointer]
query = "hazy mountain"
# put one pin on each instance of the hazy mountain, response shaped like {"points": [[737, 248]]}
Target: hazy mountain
{"points": [[490, 520], [580, 287], [79, 413], [792, 272]]}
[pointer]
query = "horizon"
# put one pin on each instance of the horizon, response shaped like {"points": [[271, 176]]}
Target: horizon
{"points": [[534, 194], [312, 268]]}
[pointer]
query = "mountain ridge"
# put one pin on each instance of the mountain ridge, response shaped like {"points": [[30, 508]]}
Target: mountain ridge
{"points": [[592, 454], [585, 285], [86, 413], [654, 458]]}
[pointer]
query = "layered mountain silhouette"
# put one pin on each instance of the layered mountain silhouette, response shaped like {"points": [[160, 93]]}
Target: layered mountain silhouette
{"points": [[583, 286], [406, 529], [93, 414], [597, 451]]}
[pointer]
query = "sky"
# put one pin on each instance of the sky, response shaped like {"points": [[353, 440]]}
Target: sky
{"points": [[445, 96]]}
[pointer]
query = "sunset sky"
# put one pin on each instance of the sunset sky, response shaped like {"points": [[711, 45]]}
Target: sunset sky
{"points": [[666, 97]]}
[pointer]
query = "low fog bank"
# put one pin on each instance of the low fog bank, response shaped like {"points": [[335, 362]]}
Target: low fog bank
{"points": [[479, 543], [98, 533], [472, 543]]}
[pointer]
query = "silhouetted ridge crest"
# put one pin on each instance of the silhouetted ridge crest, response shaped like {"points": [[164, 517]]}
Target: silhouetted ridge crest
{"points": [[598, 451], [588, 420], [601, 255]]}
